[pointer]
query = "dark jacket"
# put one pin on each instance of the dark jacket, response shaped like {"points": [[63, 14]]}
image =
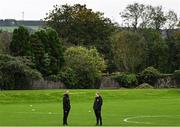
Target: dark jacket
{"points": [[98, 103], [66, 102]]}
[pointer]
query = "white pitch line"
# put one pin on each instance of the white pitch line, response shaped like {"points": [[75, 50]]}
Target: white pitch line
{"points": [[129, 119], [31, 113]]}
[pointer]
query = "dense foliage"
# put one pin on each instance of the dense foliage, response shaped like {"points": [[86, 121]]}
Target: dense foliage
{"points": [[20, 45], [125, 80], [83, 66], [146, 16], [176, 76], [70, 78], [15, 74], [5, 40], [128, 51], [47, 51], [77, 45], [149, 75], [156, 51], [78, 25]]}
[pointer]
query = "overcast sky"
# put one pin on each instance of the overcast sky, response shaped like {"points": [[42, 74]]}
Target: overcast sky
{"points": [[36, 9]]}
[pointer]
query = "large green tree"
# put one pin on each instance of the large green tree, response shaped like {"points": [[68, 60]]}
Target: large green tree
{"points": [[176, 51], [1, 46], [78, 25], [20, 45], [172, 20], [15, 73], [129, 51], [5, 40], [47, 51], [132, 15], [83, 68], [157, 49], [146, 16], [158, 18]]}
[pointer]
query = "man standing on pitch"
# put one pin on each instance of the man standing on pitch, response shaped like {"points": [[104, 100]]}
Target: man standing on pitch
{"points": [[66, 107], [97, 108]]}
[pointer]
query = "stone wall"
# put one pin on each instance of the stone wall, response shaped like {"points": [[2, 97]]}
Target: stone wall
{"points": [[107, 82], [45, 84], [166, 81]]}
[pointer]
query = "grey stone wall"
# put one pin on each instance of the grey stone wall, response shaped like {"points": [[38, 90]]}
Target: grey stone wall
{"points": [[107, 82], [45, 84], [166, 82]]}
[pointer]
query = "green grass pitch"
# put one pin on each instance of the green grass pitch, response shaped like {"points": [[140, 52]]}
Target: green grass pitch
{"points": [[121, 107]]}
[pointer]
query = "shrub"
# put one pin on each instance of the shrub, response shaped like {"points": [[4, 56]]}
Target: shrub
{"points": [[150, 75], [69, 77], [15, 74], [53, 78], [125, 80], [84, 65]]}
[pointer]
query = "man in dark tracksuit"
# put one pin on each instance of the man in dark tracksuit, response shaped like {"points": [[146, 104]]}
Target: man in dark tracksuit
{"points": [[66, 108], [97, 108]]}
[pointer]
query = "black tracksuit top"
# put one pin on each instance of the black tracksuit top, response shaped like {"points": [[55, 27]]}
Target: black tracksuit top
{"points": [[98, 103], [66, 102]]}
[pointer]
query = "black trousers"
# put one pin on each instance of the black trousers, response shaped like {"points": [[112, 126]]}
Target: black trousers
{"points": [[65, 116], [98, 117]]}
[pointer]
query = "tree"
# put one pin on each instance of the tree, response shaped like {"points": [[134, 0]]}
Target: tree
{"points": [[172, 19], [69, 77], [160, 49], [156, 51], [86, 66], [78, 25], [1, 46], [178, 55], [177, 50], [47, 51], [129, 51], [149, 75], [15, 74], [158, 18], [132, 14], [38, 54], [178, 25], [20, 45], [5, 40], [146, 16]]}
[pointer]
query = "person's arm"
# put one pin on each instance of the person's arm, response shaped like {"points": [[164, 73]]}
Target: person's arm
{"points": [[64, 102], [68, 103], [101, 101], [94, 105]]}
